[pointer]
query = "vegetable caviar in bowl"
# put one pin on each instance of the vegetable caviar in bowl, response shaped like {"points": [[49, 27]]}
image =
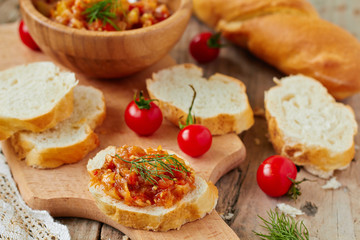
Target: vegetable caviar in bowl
{"points": [[86, 43], [144, 177], [104, 15]]}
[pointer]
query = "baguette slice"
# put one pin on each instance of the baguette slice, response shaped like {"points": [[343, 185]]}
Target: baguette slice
{"points": [[308, 126], [34, 97], [193, 206], [70, 140], [221, 102]]}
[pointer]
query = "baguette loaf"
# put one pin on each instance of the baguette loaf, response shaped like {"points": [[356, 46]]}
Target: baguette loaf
{"points": [[221, 102], [34, 97], [308, 126], [290, 36], [194, 205], [70, 140]]}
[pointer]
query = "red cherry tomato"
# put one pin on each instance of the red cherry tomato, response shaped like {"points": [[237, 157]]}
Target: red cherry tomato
{"points": [[143, 121], [26, 38], [202, 49], [108, 27], [273, 175], [194, 140]]}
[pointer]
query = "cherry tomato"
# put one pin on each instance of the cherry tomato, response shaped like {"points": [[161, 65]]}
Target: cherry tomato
{"points": [[194, 140], [26, 38], [99, 25], [143, 116], [108, 27], [205, 47], [273, 175]]}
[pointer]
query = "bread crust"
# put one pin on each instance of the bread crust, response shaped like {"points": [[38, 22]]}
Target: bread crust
{"points": [[52, 157], [153, 217], [318, 160], [319, 51], [290, 36], [218, 125], [213, 11], [61, 111], [57, 156]]}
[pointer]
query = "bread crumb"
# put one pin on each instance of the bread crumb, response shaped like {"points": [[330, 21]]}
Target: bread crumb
{"points": [[277, 81], [125, 237], [331, 184], [259, 112], [289, 210], [357, 147], [257, 141], [227, 216]]}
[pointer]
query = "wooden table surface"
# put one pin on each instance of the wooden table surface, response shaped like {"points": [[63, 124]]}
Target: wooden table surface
{"points": [[240, 199]]}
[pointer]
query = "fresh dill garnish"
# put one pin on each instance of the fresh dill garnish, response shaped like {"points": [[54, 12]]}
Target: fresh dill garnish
{"points": [[280, 226], [160, 165], [103, 11]]}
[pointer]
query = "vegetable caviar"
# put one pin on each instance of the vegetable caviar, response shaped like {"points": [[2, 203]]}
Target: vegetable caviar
{"points": [[104, 15], [144, 177]]}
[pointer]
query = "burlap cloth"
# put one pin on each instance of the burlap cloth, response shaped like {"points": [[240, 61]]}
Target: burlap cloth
{"points": [[17, 220]]}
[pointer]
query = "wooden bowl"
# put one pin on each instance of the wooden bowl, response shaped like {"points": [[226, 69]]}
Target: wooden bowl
{"points": [[107, 54]]}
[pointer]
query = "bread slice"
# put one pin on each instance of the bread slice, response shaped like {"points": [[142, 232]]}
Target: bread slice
{"points": [[308, 126], [34, 97], [195, 205], [70, 140], [221, 102]]}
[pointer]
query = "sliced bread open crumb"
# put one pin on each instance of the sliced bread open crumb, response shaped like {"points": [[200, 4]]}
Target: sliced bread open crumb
{"points": [[221, 102], [308, 126], [34, 97], [70, 140]]}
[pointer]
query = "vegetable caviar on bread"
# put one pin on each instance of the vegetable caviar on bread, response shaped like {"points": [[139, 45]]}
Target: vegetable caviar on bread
{"points": [[148, 189]]}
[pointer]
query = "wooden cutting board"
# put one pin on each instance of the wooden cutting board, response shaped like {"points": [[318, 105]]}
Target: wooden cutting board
{"points": [[63, 191]]}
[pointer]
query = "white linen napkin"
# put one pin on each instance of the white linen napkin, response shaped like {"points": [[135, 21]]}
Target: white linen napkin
{"points": [[17, 220]]}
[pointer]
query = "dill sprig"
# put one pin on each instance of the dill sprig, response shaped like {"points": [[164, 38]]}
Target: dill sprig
{"points": [[190, 118], [101, 10], [160, 165], [280, 226]]}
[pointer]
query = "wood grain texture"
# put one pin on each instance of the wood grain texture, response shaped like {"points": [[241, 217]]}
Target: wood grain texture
{"points": [[107, 54], [67, 195], [338, 211], [338, 215], [83, 228]]}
